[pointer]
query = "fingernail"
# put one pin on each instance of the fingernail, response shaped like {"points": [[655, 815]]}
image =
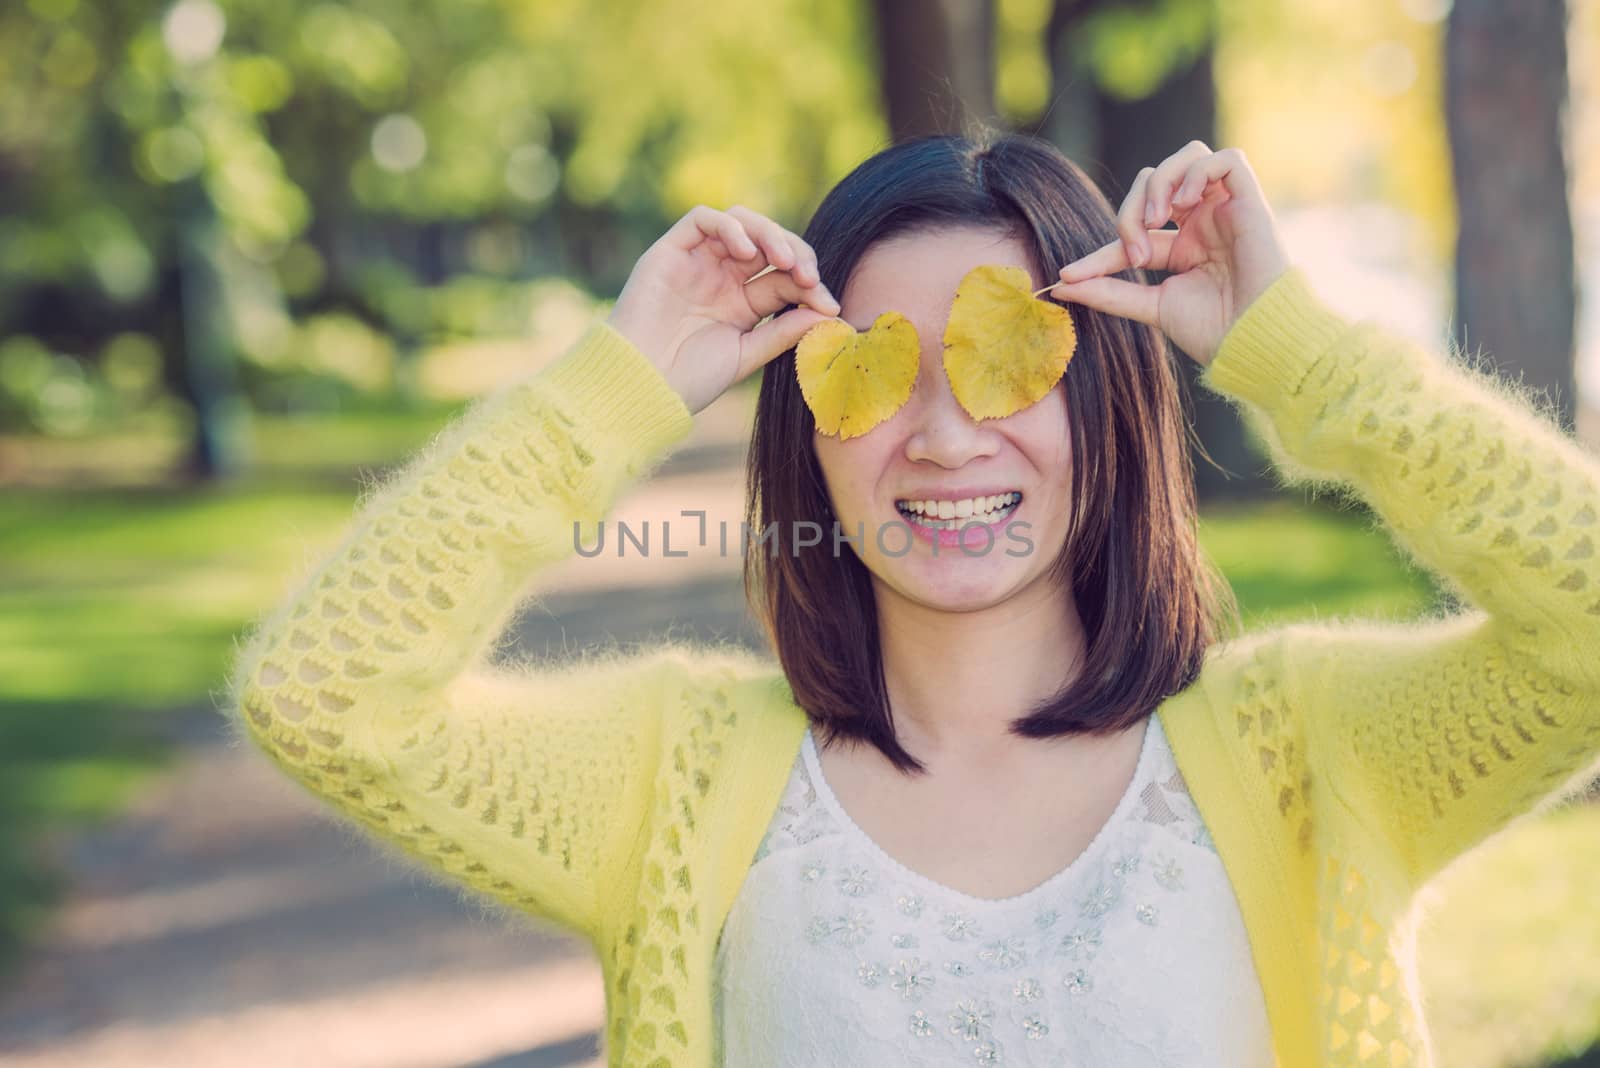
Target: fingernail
{"points": [[1149, 214]]}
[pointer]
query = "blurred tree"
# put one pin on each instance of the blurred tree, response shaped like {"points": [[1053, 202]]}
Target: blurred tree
{"points": [[1131, 84], [304, 170], [216, 446], [936, 63], [1505, 94], [134, 155]]}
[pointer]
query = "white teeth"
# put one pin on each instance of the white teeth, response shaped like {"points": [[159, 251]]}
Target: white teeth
{"points": [[951, 515], [951, 509]]}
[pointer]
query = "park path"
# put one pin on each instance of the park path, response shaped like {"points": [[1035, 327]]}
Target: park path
{"points": [[226, 920]]}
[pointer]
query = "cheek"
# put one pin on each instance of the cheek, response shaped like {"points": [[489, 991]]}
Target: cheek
{"points": [[1045, 433], [828, 455], [846, 469], [1061, 433]]}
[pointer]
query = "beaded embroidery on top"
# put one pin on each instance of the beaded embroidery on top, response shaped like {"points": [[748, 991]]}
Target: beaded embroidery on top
{"points": [[836, 953]]}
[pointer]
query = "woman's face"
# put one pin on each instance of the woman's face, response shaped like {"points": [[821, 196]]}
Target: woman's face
{"points": [[931, 450]]}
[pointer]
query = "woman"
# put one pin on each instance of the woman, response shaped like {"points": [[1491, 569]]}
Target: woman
{"points": [[1025, 809]]}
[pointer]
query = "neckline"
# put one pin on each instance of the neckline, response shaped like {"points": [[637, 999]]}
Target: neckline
{"points": [[825, 793]]}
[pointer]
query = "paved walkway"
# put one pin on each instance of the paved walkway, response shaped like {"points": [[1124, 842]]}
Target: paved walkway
{"points": [[225, 920]]}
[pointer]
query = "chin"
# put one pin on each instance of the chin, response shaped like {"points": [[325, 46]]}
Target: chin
{"points": [[970, 589]]}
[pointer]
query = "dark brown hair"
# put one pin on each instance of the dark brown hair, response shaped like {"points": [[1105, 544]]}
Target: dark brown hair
{"points": [[1150, 600]]}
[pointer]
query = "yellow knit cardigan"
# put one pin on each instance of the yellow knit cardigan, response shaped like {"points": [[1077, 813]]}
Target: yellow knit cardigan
{"points": [[1338, 764]]}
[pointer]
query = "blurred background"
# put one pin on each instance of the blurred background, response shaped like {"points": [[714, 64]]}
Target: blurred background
{"points": [[255, 252]]}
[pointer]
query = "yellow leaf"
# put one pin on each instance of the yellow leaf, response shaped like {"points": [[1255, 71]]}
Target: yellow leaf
{"points": [[853, 381], [1004, 348]]}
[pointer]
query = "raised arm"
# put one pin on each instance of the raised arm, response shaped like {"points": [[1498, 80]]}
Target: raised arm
{"points": [[1446, 730], [1439, 732], [367, 686]]}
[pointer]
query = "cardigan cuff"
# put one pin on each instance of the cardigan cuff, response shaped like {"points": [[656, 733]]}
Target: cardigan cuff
{"points": [[624, 396], [1273, 345]]}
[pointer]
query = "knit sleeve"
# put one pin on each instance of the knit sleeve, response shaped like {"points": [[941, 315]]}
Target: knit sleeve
{"points": [[371, 686], [1438, 732]]}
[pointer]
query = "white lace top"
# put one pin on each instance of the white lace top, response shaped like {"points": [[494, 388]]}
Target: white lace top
{"points": [[1133, 955]]}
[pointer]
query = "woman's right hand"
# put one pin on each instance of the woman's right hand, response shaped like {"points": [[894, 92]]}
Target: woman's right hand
{"points": [[689, 304]]}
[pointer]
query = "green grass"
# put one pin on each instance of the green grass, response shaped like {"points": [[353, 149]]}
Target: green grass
{"points": [[313, 446], [130, 597], [1288, 559], [118, 607]]}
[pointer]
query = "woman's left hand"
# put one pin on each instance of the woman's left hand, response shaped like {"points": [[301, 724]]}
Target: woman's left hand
{"points": [[1225, 252]]}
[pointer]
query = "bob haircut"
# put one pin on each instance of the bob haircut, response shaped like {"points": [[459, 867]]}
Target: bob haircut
{"points": [[1150, 600]]}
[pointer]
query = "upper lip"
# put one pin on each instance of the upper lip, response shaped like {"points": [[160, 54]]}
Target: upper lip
{"points": [[956, 494]]}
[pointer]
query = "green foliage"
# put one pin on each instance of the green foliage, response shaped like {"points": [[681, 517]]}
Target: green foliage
{"points": [[63, 395], [342, 147], [1132, 48]]}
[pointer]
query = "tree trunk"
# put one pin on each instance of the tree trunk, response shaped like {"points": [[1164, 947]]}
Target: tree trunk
{"points": [[1505, 91], [1112, 139], [936, 65], [1133, 134], [218, 448]]}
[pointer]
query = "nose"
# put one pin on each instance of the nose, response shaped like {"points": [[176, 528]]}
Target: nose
{"points": [[940, 429]]}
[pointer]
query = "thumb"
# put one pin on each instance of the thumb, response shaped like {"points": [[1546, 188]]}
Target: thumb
{"points": [[776, 336]]}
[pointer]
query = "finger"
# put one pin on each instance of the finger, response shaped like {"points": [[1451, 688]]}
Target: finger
{"points": [[769, 292], [1114, 297], [702, 222], [782, 248], [1172, 170], [1192, 194], [808, 254], [1112, 258], [775, 336], [1226, 170], [765, 233], [1190, 190], [804, 263], [1130, 218]]}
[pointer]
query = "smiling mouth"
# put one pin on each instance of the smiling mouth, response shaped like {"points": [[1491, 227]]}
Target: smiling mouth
{"points": [[955, 514]]}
